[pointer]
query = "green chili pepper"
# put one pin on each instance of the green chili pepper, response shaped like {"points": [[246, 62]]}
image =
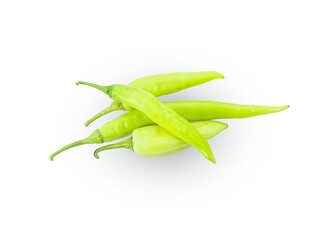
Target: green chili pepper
{"points": [[159, 113], [162, 84], [190, 110], [154, 141]]}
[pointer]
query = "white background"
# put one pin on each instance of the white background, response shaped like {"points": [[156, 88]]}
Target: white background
{"points": [[271, 177]]}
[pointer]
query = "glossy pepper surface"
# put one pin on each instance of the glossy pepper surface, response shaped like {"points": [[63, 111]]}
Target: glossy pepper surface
{"points": [[190, 110], [159, 113], [154, 141], [162, 84]]}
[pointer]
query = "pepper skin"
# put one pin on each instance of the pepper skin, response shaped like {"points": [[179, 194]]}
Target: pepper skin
{"points": [[190, 110], [154, 141], [162, 84]]}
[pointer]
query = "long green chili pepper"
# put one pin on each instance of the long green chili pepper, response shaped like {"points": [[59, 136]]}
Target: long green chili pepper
{"points": [[190, 110], [162, 115], [154, 141], [162, 84]]}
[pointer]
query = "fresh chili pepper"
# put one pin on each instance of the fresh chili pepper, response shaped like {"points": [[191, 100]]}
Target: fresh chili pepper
{"points": [[190, 110], [159, 113], [154, 141], [162, 84]]}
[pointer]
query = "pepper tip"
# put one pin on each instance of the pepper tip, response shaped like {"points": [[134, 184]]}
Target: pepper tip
{"points": [[284, 107], [220, 75], [212, 159]]}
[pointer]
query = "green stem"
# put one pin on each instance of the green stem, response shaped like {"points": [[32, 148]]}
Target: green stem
{"points": [[114, 106], [95, 137], [124, 144], [105, 89], [68, 146]]}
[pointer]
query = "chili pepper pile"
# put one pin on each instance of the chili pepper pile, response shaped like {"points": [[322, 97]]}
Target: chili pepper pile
{"points": [[179, 124]]}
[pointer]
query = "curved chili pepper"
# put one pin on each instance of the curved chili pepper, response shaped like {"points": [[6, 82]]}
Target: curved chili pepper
{"points": [[190, 110], [162, 84], [154, 141], [159, 113]]}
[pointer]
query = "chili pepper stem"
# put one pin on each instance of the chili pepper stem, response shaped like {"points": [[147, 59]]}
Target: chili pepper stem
{"points": [[124, 144], [68, 146], [113, 107], [95, 137], [105, 89]]}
